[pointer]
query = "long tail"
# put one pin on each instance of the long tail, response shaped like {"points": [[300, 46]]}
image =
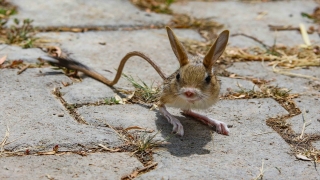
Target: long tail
{"points": [[75, 65]]}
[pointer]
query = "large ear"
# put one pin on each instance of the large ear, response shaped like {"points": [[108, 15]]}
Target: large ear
{"points": [[177, 48], [216, 49]]}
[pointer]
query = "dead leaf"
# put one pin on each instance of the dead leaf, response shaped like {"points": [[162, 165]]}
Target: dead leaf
{"points": [[133, 127], [119, 99], [154, 106], [240, 96], [134, 174], [76, 29], [65, 84], [15, 63], [302, 157], [82, 153], [3, 59], [27, 152], [49, 177], [23, 69], [56, 148], [128, 97], [108, 149], [47, 153]]}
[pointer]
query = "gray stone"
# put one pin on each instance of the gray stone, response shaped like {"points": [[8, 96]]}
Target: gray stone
{"points": [[69, 166], [316, 144], [113, 13], [119, 116], [202, 155], [106, 58], [88, 91], [17, 53], [234, 85], [32, 114], [295, 84], [312, 116], [38, 121], [235, 17], [242, 114]]}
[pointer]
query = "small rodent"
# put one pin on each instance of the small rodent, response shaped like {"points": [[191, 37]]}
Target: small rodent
{"points": [[192, 86]]}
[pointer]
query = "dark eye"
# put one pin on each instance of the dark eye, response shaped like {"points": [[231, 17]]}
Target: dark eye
{"points": [[178, 76], [208, 79]]}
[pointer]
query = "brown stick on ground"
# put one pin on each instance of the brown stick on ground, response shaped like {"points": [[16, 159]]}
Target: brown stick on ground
{"points": [[251, 37], [283, 28], [23, 69], [136, 172]]}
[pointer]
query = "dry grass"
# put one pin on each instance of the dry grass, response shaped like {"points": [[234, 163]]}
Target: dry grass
{"points": [[4, 141], [207, 27], [300, 145], [158, 6], [288, 57], [277, 93], [140, 142], [21, 65], [260, 175], [136, 172]]}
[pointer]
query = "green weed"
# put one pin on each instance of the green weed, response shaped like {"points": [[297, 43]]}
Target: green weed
{"points": [[143, 92], [112, 100]]}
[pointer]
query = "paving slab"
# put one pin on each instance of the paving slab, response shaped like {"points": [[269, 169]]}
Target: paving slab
{"points": [[310, 105], [295, 84], [69, 166], [236, 113], [202, 155], [119, 116], [234, 15], [233, 85], [316, 144], [105, 59], [113, 13], [37, 119], [87, 91], [17, 53]]}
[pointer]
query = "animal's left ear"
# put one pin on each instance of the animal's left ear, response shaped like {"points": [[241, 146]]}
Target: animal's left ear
{"points": [[177, 48], [216, 50]]}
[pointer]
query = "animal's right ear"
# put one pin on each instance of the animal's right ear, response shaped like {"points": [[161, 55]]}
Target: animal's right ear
{"points": [[216, 50], [177, 48]]}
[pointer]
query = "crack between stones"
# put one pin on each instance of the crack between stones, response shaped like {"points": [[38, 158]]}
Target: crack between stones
{"points": [[279, 124], [71, 110], [130, 139], [81, 29]]}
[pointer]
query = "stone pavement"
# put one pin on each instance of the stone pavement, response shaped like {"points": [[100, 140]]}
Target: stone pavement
{"points": [[38, 120]]}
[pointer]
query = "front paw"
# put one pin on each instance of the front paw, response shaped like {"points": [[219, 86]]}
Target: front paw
{"points": [[177, 127], [221, 128]]}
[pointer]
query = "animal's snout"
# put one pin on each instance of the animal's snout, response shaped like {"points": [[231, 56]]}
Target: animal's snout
{"points": [[189, 94]]}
